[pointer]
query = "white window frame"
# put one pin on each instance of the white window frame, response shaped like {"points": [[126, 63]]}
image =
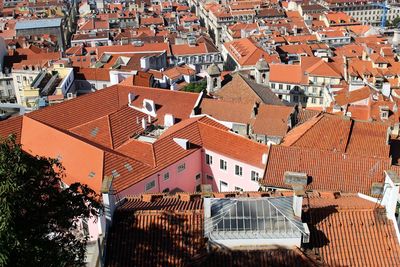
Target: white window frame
{"points": [[223, 165], [238, 170], [238, 189], [150, 185], [181, 167], [209, 159], [166, 176], [255, 176]]}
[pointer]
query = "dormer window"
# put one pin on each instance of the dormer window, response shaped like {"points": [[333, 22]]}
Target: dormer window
{"points": [[384, 112]]}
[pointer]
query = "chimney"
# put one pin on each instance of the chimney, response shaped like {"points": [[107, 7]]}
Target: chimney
{"points": [[144, 126], [264, 158], [345, 69], [390, 191], [298, 181]]}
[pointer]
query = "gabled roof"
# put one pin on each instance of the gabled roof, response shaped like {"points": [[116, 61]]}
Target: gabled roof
{"points": [[335, 133], [272, 120], [247, 53], [351, 231], [11, 126], [349, 97], [327, 170], [227, 111], [178, 220], [286, 73], [242, 89]]}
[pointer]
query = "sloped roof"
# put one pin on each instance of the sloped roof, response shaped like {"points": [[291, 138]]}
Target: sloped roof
{"points": [[11, 126], [350, 231], [272, 120], [241, 89], [328, 170], [152, 230], [227, 111], [286, 73], [336, 133]]}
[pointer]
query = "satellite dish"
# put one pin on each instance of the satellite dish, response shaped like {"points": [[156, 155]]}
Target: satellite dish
{"points": [[386, 89], [149, 107]]}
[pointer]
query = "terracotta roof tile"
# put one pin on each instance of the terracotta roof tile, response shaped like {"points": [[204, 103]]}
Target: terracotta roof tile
{"points": [[227, 111], [284, 73], [330, 171], [243, 90], [230, 144], [272, 120], [158, 230], [11, 126], [97, 131], [336, 133], [350, 231]]}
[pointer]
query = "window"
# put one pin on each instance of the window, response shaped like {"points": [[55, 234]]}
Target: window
{"points": [[198, 176], [166, 176], [222, 164], [280, 86], [288, 87], [272, 85], [181, 167], [223, 186], [238, 170], [198, 188], [208, 159], [18, 78], [313, 100], [238, 189], [150, 185], [209, 177], [255, 176]]}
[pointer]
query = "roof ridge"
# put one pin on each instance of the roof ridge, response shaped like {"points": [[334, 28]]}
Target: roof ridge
{"points": [[318, 118], [229, 131]]}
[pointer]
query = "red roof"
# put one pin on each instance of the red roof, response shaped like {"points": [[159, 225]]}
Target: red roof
{"points": [[350, 231], [328, 170]]}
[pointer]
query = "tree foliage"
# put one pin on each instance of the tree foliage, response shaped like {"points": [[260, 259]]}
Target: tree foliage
{"points": [[394, 23], [39, 219], [196, 87]]}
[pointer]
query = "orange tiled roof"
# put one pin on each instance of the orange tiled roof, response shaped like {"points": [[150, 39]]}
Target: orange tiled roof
{"points": [[345, 98], [328, 170], [272, 120], [335, 133], [227, 111], [247, 53], [284, 73], [350, 231], [142, 221], [11, 126]]}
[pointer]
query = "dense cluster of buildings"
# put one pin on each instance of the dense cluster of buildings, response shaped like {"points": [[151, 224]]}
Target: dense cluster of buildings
{"points": [[285, 153]]}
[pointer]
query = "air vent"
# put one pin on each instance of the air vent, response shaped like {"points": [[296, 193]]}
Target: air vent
{"points": [[128, 167], [115, 173], [94, 131], [92, 174]]}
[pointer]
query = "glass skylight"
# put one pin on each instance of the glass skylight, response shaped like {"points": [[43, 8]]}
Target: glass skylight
{"points": [[251, 218]]}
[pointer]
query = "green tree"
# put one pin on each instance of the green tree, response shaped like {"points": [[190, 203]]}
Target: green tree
{"points": [[196, 87], [394, 23], [39, 218]]}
